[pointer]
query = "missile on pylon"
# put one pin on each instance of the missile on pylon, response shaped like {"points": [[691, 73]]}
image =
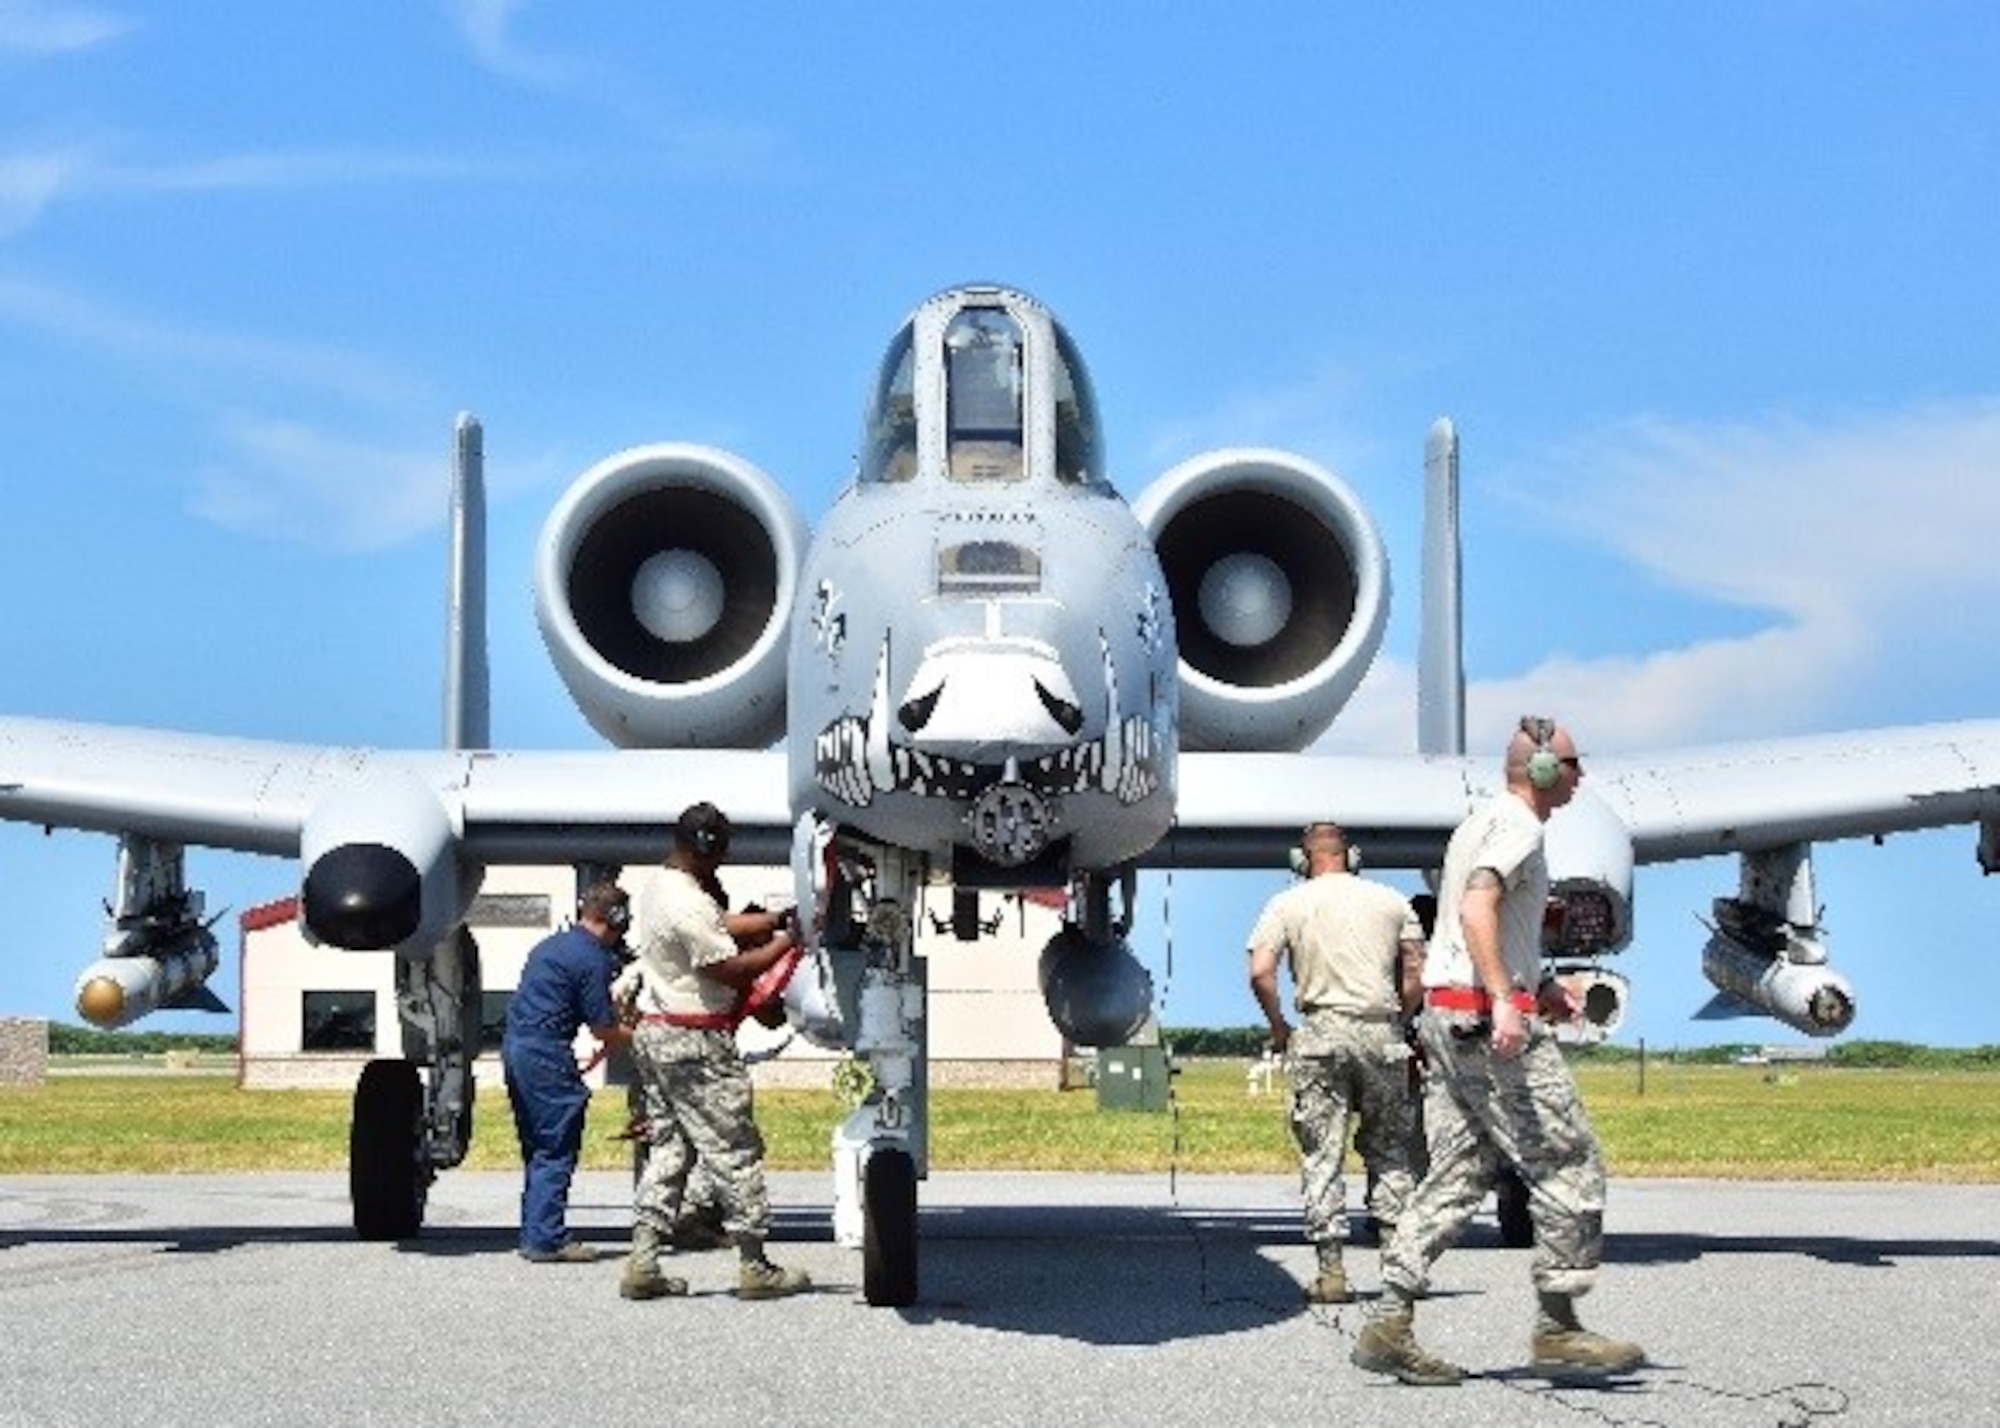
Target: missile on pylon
{"points": [[1808, 997], [116, 991]]}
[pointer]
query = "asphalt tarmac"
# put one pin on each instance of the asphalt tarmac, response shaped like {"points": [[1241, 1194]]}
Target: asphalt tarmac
{"points": [[1044, 1299]]}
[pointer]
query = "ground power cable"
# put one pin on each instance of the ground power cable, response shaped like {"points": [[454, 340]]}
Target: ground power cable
{"points": [[1795, 1405]]}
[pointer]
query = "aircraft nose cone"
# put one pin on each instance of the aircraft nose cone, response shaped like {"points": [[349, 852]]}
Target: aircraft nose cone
{"points": [[981, 704], [362, 896]]}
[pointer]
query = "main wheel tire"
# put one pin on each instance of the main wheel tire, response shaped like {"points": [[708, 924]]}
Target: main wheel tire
{"points": [[386, 1182], [889, 1230], [1510, 1205]]}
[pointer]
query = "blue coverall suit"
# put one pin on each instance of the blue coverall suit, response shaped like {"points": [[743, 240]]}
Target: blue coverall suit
{"points": [[565, 985]]}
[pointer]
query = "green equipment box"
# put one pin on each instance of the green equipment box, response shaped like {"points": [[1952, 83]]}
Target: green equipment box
{"points": [[1132, 1078]]}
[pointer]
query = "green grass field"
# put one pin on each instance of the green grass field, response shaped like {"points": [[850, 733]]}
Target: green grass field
{"points": [[1791, 1122]]}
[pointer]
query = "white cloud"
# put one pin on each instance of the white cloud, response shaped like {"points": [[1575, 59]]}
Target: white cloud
{"points": [[288, 480], [306, 168], [1853, 534], [28, 184], [1818, 520], [1305, 416], [1849, 538], [37, 27], [489, 31], [293, 481], [182, 352]]}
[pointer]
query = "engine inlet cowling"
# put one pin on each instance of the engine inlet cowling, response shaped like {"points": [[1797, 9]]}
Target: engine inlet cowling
{"points": [[1280, 590], [664, 586]]}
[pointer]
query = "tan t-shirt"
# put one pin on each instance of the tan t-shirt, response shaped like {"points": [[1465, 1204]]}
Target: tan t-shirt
{"points": [[679, 928], [1342, 937], [1505, 836]]}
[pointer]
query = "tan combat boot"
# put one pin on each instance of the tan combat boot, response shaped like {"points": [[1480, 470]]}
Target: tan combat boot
{"points": [[1331, 1286], [760, 1279], [699, 1228], [642, 1278], [1388, 1344], [1563, 1346]]}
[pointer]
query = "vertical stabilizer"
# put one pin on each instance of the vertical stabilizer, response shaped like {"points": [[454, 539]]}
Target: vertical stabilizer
{"points": [[467, 682], [1441, 644]]}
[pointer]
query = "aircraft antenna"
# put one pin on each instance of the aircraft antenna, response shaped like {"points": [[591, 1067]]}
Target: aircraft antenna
{"points": [[1441, 643], [467, 678]]}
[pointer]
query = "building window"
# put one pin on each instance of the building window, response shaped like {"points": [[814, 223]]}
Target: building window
{"points": [[508, 910], [493, 1019], [338, 1021]]}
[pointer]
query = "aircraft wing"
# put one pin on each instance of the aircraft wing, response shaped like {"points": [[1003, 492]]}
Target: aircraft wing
{"points": [[1244, 810], [1728, 798], [257, 796]]}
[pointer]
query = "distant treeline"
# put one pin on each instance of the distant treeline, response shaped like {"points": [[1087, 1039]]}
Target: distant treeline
{"points": [[1241, 1041], [88, 1041], [1249, 1041]]}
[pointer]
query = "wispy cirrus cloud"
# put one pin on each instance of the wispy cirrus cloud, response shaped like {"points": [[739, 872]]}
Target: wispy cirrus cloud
{"points": [[43, 27], [34, 180], [490, 32], [189, 350], [28, 184], [1865, 535], [1304, 415], [287, 478], [293, 480], [1864, 541]]}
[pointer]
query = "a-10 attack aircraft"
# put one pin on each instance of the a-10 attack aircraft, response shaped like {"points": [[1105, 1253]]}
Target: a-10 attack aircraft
{"points": [[986, 671]]}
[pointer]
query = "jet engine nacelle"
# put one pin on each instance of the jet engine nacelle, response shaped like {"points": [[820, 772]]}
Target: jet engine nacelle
{"points": [[1280, 592], [381, 867], [1589, 853], [664, 586], [1097, 994], [1806, 996]]}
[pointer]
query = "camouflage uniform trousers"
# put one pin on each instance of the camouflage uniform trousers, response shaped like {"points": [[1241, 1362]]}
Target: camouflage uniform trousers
{"points": [[646, 1108], [1345, 1068], [698, 1094], [1481, 1110]]}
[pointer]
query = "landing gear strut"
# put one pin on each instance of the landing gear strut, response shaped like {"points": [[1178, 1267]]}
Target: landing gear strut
{"points": [[880, 1150], [408, 1126]]}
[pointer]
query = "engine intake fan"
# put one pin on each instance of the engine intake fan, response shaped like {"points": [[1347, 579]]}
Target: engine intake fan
{"points": [[1280, 592]]}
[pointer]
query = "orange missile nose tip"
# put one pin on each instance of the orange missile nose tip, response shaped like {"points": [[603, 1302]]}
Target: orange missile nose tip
{"points": [[100, 1002]]}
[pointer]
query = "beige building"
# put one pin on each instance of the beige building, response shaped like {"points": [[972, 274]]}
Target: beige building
{"points": [[313, 1016]]}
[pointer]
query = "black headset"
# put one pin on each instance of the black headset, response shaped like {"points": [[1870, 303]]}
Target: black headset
{"points": [[705, 830], [615, 915]]}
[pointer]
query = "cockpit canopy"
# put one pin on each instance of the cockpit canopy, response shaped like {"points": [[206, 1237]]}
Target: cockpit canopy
{"points": [[982, 385]]}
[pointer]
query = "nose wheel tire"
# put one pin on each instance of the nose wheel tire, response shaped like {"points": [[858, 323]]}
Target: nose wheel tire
{"points": [[889, 1230], [386, 1182]]}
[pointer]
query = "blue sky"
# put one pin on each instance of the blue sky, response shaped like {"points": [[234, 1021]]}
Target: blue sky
{"points": [[1711, 292]]}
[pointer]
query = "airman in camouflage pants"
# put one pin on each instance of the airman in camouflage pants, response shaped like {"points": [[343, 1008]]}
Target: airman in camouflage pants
{"points": [[699, 1094], [1481, 1109], [1341, 1066]]}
